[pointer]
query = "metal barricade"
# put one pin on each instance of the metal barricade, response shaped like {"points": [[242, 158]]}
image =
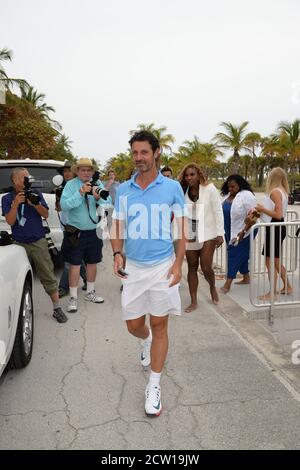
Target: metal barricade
{"points": [[220, 255], [220, 260], [282, 280], [291, 216]]}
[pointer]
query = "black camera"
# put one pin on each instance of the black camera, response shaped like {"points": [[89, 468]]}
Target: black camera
{"points": [[30, 195], [103, 193]]}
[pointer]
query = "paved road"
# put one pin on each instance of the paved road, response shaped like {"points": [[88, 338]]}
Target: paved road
{"points": [[84, 388]]}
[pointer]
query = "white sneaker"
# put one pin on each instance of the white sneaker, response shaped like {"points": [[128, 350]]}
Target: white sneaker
{"points": [[92, 297], [145, 354], [72, 306], [153, 400]]}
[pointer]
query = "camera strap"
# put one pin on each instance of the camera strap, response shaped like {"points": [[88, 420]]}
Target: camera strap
{"points": [[21, 220], [88, 207], [64, 225]]}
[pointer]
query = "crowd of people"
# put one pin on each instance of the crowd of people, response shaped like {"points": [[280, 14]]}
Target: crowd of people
{"points": [[146, 211]]}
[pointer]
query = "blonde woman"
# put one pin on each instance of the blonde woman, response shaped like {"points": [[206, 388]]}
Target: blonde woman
{"points": [[274, 210], [206, 229]]}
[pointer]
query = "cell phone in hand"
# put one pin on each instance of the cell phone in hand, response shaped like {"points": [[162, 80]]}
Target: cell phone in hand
{"points": [[122, 272]]}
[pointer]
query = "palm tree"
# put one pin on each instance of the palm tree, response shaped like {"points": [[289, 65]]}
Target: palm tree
{"points": [[65, 141], [271, 151], [160, 133], [253, 142], [205, 154], [6, 55], [232, 139], [29, 94], [122, 164], [246, 165], [289, 138]]}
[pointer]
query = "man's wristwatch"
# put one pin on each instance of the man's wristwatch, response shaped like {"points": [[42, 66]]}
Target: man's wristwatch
{"points": [[117, 253]]}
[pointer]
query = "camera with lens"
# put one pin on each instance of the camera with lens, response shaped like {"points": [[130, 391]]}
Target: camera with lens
{"points": [[51, 246], [103, 193], [30, 194]]}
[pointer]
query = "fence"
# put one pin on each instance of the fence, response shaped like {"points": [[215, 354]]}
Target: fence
{"points": [[284, 267], [220, 255]]}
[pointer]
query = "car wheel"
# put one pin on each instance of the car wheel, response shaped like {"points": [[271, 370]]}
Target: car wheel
{"points": [[22, 349]]}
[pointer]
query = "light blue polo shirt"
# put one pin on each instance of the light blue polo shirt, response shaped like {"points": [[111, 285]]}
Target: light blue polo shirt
{"points": [[147, 217], [76, 207]]}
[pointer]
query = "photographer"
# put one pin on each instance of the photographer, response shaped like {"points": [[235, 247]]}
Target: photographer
{"points": [[80, 198], [67, 174], [24, 209]]}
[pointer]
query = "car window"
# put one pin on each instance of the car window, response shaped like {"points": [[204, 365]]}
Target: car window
{"points": [[42, 177]]}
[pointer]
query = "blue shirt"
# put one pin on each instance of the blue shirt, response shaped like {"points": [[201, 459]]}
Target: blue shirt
{"points": [[76, 206], [147, 218], [33, 229]]}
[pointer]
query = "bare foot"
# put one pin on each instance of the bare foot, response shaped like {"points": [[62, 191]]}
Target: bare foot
{"points": [[242, 282], [224, 289], [214, 295], [267, 296], [191, 307], [288, 291]]}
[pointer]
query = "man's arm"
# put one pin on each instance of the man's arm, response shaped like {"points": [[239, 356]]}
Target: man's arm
{"points": [[176, 269], [117, 241], [71, 199], [41, 210], [11, 215]]}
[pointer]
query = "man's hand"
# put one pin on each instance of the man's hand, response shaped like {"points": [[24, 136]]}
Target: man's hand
{"points": [[119, 263], [95, 193], [110, 182], [86, 188], [219, 241], [19, 199], [176, 272]]}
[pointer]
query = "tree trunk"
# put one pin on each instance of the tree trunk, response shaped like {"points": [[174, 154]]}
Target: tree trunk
{"points": [[236, 162], [261, 177]]}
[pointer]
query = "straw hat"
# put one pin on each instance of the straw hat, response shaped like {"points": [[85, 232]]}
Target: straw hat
{"points": [[83, 162]]}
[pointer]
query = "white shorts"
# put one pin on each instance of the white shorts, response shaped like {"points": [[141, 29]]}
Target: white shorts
{"points": [[146, 290], [194, 245]]}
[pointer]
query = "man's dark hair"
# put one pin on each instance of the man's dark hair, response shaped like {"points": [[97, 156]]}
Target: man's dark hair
{"points": [[239, 180], [166, 168], [145, 136]]}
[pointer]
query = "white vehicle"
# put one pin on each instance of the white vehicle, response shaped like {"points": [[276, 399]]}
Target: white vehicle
{"points": [[42, 171], [16, 308]]}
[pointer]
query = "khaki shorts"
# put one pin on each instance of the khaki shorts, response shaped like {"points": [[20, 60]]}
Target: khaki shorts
{"points": [[146, 290], [38, 254]]}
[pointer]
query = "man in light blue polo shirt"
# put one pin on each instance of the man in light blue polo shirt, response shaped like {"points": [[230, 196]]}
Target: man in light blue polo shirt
{"points": [[142, 227], [80, 199]]}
